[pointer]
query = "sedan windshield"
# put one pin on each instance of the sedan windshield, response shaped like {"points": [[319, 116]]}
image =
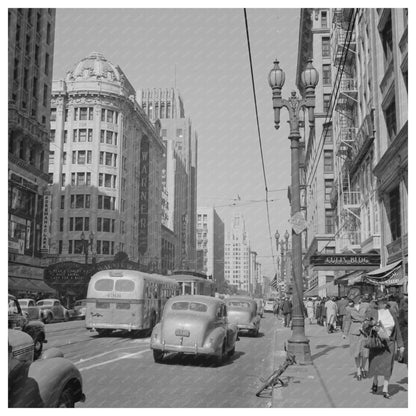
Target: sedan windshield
{"points": [[23, 303], [44, 303], [192, 306], [238, 305]]}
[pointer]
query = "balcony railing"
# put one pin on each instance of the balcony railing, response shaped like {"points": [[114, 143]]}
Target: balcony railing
{"points": [[351, 198], [345, 139]]}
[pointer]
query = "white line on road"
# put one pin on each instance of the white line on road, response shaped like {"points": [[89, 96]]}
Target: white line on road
{"points": [[83, 360], [135, 354]]}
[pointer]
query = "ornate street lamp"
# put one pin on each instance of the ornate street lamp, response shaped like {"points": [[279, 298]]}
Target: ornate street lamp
{"points": [[87, 244], [298, 344]]}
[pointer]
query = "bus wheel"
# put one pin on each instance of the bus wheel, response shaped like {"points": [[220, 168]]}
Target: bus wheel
{"points": [[158, 356]]}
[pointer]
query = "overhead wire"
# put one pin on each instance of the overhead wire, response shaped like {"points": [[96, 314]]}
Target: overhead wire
{"points": [[259, 135]]}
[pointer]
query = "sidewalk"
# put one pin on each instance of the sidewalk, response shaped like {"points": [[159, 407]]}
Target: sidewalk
{"points": [[330, 381]]}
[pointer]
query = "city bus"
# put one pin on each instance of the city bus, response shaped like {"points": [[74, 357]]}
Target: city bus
{"points": [[126, 300], [193, 283]]}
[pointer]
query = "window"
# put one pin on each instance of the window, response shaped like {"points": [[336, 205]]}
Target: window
{"points": [[108, 159], [109, 137], [390, 116], [66, 114], [394, 214], [75, 135], [106, 225], [53, 114], [79, 201], [63, 179], [328, 161], [74, 157], [102, 114], [16, 69], [90, 135], [326, 74], [65, 136], [326, 48], [328, 189], [88, 179], [101, 158], [99, 226], [62, 201], [61, 224], [329, 221], [81, 157], [107, 180], [89, 156], [326, 102], [80, 178], [64, 158], [48, 34], [102, 134], [110, 116], [79, 223], [324, 19], [46, 62], [387, 41], [82, 135], [45, 95], [100, 179], [35, 87], [60, 247], [87, 201], [52, 135], [105, 247], [73, 179], [83, 113]]}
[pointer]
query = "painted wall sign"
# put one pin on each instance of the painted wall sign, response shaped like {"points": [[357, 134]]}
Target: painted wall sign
{"points": [[345, 261], [144, 195], [45, 222]]}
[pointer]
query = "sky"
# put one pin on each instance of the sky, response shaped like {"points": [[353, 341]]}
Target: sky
{"points": [[207, 51]]}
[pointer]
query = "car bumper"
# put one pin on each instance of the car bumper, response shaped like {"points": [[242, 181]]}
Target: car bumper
{"points": [[184, 349], [246, 327]]}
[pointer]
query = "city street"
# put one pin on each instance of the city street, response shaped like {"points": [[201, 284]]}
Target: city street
{"points": [[119, 371]]}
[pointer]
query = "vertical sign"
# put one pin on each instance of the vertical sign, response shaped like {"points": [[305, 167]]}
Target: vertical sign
{"points": [[143, 195], [45, 222]]}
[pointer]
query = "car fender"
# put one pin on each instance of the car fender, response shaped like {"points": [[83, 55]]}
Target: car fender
{"points": [[217, 335], [52, 376], [157, 330], [256, 320]]}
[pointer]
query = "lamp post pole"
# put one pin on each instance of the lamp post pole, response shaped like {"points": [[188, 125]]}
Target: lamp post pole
{"points": [[298, 344], [86, 244]]}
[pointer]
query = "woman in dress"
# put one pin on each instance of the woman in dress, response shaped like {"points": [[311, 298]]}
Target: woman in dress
{"points": [[309, 309], [353, 320], [381, 361]]}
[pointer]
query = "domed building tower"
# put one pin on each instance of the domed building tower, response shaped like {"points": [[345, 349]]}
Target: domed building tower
{"points": [[105, 165]]}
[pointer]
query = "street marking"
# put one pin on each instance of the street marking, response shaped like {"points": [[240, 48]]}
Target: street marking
{"points": [[83, 360], [135, 354]]}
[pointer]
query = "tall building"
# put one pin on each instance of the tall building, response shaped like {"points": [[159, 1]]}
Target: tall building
{"points": [[318, 154], [180, 170], [368, 117], [210, 241], [30, 53], [237, 255], [105, 168]]}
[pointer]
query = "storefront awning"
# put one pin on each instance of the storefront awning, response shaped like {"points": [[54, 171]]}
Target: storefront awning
{"points": [[383, 272], [390, 275], [357, 277], [30, 285]]}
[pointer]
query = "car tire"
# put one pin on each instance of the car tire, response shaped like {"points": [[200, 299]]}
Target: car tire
{"points": [[220, 357], [66, 399], [158, 356], [66, 317], [38, 344]]}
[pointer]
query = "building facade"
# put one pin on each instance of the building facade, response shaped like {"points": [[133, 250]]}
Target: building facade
{"points": [[367, 114], [237, 255], [180, 170], [210, 240], [105, 167], [317, 160], [30, 53]]}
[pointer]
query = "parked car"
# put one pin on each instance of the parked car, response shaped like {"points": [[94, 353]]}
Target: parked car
{"points": [[29, 306], [243, 313], [19, 320], [52, 310], [51, 381], [268, 306], [78, 309], [260, 307], [196, 325]]}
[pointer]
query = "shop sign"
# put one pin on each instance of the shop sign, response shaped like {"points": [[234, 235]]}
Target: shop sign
{"points": [[45, 222], [144, 195], [345, 261]]}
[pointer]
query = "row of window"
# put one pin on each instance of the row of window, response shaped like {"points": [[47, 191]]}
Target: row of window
{"points": [[108, 159], [87, 113], [84, 201], [83, 224], [84, 178], [78, 247]]}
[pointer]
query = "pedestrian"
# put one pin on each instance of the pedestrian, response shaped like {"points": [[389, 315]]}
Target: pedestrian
{"points": [[342, 303], [381, 361], [331, 314], [309, 310], [287, 311], [318, 311], [276, 308], [403, 310], [323, 310], [355, 315], [393, 305]]}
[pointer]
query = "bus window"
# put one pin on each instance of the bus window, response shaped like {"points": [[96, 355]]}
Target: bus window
{"points": [[104, 285], [124, 285]]}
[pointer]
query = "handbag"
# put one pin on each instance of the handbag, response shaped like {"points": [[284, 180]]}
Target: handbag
{"points": [[373, 341]]}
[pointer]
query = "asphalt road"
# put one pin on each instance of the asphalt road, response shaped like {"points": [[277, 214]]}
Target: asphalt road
{"points": [[119, 371]]}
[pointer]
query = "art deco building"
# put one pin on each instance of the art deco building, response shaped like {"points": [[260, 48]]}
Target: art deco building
{"points": [[210, 240], [106, 168], [237, 255], [180, 170], [30, 53]]}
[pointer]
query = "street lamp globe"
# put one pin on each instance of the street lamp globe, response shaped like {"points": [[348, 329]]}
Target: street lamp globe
{"points": [[286, 235], [309, 76], [276, 76], [277, 236]]}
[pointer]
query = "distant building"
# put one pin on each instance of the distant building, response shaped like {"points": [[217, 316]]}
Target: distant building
{"points": [[210, 241], [237, 254], [105, 169], [179, 170], [30, 53]]}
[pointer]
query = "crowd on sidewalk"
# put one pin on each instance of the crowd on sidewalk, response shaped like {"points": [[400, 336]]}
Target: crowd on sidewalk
{"points": [[375, 326]]}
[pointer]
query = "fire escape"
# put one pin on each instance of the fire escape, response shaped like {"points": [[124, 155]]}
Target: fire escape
{"points": [[345, 196]]}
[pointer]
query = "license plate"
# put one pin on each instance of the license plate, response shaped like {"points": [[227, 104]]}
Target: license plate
{"points": [[182, 333]]}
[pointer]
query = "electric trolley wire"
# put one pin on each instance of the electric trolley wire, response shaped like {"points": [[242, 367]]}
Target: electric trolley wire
{"points": [[259, 135]]}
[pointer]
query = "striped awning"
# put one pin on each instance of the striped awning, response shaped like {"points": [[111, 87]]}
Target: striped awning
{"points": [[389, 275]]}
